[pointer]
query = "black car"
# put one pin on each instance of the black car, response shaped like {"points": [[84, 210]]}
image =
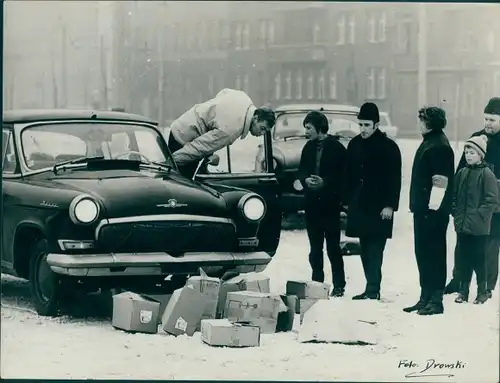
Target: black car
{"points": [[93, 200]]}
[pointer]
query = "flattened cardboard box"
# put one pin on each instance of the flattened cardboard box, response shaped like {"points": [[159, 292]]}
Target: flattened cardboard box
{"points": [[248, 282], [135, 312], [308, 289], [163, 299], [221, 332], [286, 318], [183, 312], [209, 288], [259, 309]]}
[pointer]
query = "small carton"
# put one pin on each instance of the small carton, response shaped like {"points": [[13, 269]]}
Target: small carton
{"points": [[249, 282], [135, 312], [209, 288], [223, 333], [259, 309], [163, 299], [307, 289], [286, 318], [303, 305], [183, 312]]}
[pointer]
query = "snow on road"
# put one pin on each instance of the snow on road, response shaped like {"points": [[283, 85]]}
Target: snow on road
{"points": [[466, 335]]}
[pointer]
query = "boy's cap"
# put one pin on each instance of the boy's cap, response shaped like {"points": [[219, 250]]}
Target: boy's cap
{"points": [[480, 143]]}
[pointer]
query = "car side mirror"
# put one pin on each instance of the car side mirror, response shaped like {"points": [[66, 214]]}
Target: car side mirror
{"points": [[213, 160]]}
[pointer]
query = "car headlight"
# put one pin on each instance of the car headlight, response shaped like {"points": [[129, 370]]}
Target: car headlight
{"points": [[297, 185], [84, 210], [252, 207]]}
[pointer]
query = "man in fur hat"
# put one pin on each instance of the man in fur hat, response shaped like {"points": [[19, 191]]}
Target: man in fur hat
{"points": [[492, 158], [431, 202], [372, 190]]}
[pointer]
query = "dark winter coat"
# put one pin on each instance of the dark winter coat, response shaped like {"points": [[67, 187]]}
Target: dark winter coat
{"points": [[475, 199], [493, 160], [434, 156], [373, 183], [331, 170]]}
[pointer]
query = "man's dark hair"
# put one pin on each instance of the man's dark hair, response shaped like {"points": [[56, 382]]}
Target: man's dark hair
{"points": [[318, 120], [265, 114], [434, 117]]}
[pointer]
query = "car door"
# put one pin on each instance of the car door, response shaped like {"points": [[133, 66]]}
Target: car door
{"points": [[236, 168]]}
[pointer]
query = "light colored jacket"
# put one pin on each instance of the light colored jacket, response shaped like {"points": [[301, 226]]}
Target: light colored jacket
{"points": [[212, 125]]}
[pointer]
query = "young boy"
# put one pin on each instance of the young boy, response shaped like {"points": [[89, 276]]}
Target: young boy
{"points": [[475, 199]]}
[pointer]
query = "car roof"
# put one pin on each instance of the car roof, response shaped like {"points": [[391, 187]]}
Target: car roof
{"points": [[308, 107], [35, 115]]}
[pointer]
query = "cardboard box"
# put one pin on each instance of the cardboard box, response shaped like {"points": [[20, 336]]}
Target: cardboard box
{"points": [[209, 288], [135, 312], [259, 309], [163, 299], [304, 305], [248, 282], [223, 333], [286, 318], [183, 312], [308, 289]]}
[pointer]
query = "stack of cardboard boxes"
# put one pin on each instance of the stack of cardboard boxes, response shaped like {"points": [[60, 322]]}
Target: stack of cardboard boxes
{"points": [[233, 313]]}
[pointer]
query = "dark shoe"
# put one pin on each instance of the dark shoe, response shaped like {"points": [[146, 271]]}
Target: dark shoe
{"points": [[481, 298], [432, 309], [366, 295], [422, 302], [489, 293], [452, 287], [461, 298], [337, 292]]}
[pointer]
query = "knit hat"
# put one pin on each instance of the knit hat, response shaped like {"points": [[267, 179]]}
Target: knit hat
{"points": [[493, 106], [369, 111], [434, 117], [479, 143]]}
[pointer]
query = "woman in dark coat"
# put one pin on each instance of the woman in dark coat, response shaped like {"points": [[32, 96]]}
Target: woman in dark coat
{"points": [[372, 194]]}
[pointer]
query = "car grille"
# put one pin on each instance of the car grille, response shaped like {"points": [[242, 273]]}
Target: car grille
{"points": [[167, 236]]}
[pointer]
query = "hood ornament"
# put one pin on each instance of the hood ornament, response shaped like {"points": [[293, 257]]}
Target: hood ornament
{"points": [[172, 203]]}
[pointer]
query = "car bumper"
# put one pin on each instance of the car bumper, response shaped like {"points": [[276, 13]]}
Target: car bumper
{"points": [[101, 265]]}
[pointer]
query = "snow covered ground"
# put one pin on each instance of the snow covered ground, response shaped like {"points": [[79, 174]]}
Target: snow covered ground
{"points": [[74, 347]]}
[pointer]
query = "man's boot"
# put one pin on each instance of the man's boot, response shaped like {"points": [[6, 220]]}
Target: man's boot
{"points": [[435, 304], [424, 298], [482, 294], [367, 295], [452, 287], [463, 294]]}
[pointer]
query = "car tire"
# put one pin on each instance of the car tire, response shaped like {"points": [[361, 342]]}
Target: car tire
{"points": [[48, 289]]}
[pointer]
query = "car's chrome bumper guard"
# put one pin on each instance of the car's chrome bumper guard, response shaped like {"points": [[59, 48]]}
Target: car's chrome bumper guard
{"points": [[95, 265]]}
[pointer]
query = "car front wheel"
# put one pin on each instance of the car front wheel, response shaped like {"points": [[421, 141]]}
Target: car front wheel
{"points": [[47, 288]]}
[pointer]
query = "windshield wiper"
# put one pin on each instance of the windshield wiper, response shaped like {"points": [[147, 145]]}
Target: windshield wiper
{"points": [[82, 160], [288, 138], [155, 165]]}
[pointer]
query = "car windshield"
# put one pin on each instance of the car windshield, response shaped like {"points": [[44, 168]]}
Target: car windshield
{"points": [[45, 145], [290, 124]]}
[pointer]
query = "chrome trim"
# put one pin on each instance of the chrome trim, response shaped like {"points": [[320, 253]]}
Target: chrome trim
{"points": [[75, 202], [161, 217], [61, 242], [244, 199]]}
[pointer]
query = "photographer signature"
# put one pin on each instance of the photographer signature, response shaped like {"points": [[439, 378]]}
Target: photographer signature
{"points": [[431, 367]]}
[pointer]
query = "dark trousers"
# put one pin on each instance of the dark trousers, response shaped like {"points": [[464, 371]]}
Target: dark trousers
{"points": [[471, 258], [429, 232], [492, 253], [324, 224], [372, 254], [187, 170]]}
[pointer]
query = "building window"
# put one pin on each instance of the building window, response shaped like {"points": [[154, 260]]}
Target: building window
{"points": [[277, 86], [214, 34], [246, 36], [237, 39], [201, 36], [341, 30], [211, 82], [299, 80], [288, 84], [333, 86], [237, 83], [310, 86], [496, 83], [225, 35], [403, 37], [491, 42], [382, 94], [370, 84], [352, 29], [271, 37], [316, 33], [371, 29], [321, 86], [262, 33], [382, 28], [246, 83]]}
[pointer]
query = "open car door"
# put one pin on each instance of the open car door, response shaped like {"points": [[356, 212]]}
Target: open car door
{"points": [[236, 168]]}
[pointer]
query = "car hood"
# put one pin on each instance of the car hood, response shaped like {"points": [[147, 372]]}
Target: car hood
{"points": [[130, 193], [288, 152]]}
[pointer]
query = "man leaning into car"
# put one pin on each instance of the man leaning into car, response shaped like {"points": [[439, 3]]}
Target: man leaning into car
{"points": [[321, 172], [213, 125]]}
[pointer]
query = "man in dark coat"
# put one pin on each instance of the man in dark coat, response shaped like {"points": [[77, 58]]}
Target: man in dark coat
{"points": [[321, 173], [492, 158], [372, 192], [431, 202]]}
